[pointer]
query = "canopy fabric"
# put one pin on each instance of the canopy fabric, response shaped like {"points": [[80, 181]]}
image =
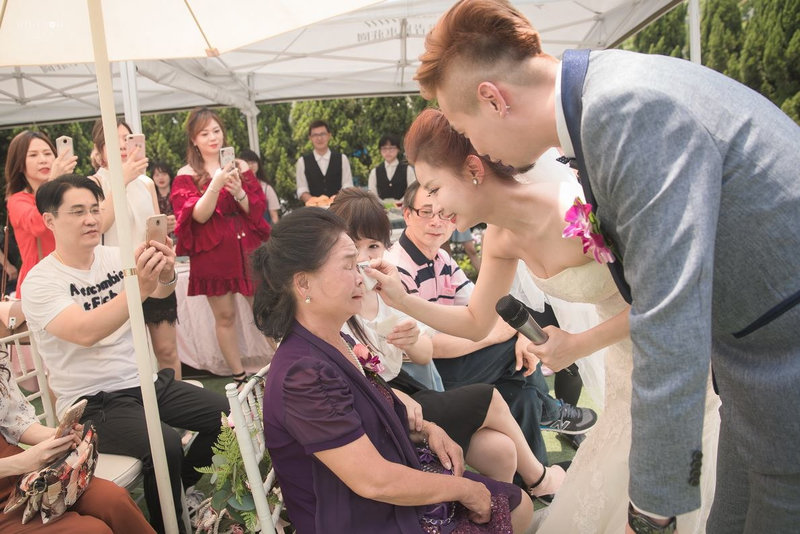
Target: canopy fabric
{"points": [[370, 51]]}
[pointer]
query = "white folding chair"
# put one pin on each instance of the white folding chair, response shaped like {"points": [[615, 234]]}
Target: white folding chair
{"points": [[249, 426], [13, 348]]}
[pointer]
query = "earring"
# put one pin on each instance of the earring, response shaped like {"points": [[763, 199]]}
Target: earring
{"points": [[308, 300], [508, 108], [475, 181]]}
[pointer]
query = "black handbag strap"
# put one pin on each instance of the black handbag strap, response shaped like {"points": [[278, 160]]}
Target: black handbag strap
{"points": [[575, 63]]}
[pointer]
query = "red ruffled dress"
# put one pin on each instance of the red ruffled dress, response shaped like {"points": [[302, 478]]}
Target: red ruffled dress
{"points": [[219, 248]]}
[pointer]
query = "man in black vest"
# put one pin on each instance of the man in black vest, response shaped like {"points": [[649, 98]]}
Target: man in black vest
{"points": [[323, 171], [390, 179]]}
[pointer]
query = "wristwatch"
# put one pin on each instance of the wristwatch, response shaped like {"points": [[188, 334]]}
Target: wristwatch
{"points": [[642, 524]]}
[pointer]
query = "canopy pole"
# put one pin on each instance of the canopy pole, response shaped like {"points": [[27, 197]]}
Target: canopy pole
{"points": [[252, 121], [694, 31], [130, 95], [106, 94], [252, 132]]}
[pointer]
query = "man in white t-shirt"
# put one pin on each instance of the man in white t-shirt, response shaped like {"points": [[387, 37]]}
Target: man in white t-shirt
{"points": [[77, 310]]}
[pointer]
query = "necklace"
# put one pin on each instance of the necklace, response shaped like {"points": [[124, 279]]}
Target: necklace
{"points": [[355, 358], [58, 257]]}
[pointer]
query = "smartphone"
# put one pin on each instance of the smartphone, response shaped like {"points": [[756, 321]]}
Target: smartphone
{"points": [[369, 282], [71, 417], [64, 144], [156, 229], [226, 155], [135, 140]]}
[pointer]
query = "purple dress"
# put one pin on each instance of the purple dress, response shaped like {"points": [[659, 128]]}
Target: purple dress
{"points": [[315, 401]]}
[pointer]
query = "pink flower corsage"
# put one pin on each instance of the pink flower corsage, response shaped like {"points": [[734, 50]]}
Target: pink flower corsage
{"points": [[369, 361], [583, 224]]}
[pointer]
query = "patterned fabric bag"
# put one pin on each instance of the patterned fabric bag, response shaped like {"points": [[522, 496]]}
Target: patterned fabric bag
{"points": [[52, 489]]}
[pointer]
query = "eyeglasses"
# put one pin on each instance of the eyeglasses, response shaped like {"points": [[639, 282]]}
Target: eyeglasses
{"points": [[80, 213], [427, 213], [389, 148]]}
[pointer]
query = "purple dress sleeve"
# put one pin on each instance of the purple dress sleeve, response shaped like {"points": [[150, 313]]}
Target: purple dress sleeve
{"points": [[318, 405]]}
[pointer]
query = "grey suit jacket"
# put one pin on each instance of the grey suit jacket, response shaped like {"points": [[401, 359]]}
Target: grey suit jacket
{"points": [[697, 181]]}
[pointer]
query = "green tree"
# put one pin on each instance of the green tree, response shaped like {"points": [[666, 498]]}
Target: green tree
{"points": [[166, 138], [278, 150], [721, 35], [665, 36], [770, 57]]}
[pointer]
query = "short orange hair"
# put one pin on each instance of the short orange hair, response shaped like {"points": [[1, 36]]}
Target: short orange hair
{"points": [[485, 33]]}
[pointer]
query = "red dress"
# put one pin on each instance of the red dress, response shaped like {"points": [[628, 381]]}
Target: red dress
{"points": [[29, 229], [219, 248]]}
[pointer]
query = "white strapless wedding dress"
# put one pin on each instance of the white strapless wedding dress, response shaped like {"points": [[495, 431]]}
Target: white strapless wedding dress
{"points": [[594, 497]]}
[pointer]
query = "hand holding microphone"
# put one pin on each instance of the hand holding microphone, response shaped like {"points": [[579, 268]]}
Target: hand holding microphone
{"points": [[516, 315]]}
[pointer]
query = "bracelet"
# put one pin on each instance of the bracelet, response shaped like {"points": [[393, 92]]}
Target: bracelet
{"points": [[171, 282], [214, 190], [244, 196]]}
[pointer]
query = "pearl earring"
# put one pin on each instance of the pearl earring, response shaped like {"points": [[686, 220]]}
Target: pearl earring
{"points": [[308, 300], [475, 181]]}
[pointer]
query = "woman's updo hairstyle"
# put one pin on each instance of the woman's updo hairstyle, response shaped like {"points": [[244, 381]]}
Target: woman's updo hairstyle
{"points": [[300, 242], [432, 140]]}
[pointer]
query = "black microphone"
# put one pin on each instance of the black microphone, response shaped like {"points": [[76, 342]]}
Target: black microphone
{"points": [[516, 315]]}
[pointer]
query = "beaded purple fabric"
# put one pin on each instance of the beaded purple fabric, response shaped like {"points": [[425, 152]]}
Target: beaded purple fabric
{"points": [[452, 517]]}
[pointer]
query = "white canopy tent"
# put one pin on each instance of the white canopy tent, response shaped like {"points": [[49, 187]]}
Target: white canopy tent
{"points": [[367, 52]]}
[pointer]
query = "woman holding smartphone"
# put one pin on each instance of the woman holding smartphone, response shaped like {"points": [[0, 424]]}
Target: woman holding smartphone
{"points": [[31, 161], [104, 507], [219, 211], [160, 315]]}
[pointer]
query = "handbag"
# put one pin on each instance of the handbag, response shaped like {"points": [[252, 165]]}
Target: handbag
{"points": [[12, 319], [52, 489]]}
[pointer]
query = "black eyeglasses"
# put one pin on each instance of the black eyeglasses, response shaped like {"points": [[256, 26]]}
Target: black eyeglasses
{"points": [[427, 213]]}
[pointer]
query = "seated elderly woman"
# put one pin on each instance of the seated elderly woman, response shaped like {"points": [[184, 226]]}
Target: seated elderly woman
{"points": [[475, 416], [339, 438]]}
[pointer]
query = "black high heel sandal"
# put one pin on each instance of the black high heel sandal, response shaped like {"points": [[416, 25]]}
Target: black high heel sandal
{"points": [[547, 498], [544, 499]]}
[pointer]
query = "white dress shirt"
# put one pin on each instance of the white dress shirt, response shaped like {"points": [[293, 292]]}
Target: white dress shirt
{"points": [[323, 161], [372, 181]]}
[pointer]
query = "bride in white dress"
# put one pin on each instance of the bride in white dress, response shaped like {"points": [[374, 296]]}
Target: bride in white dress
{"points": [[594, 496], [525, 222]]}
